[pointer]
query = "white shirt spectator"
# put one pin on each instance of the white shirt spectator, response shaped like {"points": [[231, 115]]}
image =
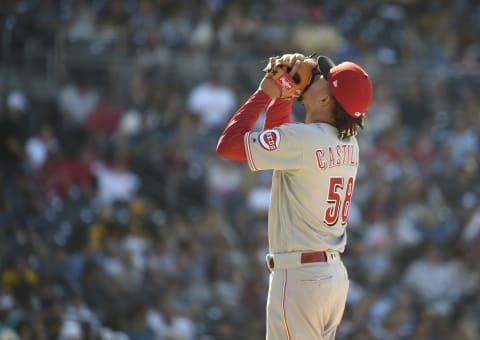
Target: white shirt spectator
{"points": [[138, 248], [77, 100], [178, 327], [463, 141], [115, 184], [472, 229], [212, 102], [16, 100], [38, 147], [436, 281], [224, 179]]}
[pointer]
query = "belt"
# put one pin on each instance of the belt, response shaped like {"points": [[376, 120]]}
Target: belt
{"points": [[293, 259]]}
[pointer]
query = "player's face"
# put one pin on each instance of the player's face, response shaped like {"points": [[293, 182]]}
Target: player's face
{"points": [[319, 89]]}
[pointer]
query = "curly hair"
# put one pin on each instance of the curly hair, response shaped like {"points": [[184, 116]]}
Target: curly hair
{"points": [[346, 124]]}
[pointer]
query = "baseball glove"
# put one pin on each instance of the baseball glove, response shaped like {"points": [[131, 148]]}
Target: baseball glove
{"points": [[278, 69]]}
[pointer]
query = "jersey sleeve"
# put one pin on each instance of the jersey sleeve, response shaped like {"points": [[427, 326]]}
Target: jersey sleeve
{"points": [[279, 148], [230, 144], [278, 112]]}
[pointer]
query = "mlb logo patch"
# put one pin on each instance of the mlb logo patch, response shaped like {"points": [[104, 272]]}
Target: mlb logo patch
{"points": [[269, 139]]}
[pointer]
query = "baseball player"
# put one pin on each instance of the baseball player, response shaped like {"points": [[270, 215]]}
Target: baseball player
{"points": [[314, 168]]}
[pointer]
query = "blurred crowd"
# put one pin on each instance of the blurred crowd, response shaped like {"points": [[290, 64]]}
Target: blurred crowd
{"points": [[119, 222]]}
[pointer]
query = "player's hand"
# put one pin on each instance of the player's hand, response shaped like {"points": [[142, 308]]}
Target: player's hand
{"points": [[270, 87]]}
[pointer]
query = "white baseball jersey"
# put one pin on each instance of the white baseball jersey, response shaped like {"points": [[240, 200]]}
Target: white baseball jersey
{"points": [[312, 184]]}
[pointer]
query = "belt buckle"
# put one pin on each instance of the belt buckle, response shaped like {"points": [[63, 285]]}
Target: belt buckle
{"points": [[333, 256]]}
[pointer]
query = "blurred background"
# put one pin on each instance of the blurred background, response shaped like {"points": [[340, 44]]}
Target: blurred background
{"points": [[118, 220]]}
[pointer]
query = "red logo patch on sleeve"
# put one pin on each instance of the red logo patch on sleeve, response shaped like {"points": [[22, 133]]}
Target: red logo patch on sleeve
{"points": [[269, 139]]}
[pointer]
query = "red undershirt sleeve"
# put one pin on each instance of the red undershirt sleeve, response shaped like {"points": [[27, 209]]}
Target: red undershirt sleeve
{"points": [[278, 112], [230, 144]]}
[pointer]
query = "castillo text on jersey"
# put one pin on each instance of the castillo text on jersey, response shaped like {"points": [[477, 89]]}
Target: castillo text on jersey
{"points": [[338, 155]]}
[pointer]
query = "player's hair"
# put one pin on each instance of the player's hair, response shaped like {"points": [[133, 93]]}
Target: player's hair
{"points": [[346, 124]]}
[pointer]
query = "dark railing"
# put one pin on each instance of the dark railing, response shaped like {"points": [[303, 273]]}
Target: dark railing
{"points": [[40, 70]]}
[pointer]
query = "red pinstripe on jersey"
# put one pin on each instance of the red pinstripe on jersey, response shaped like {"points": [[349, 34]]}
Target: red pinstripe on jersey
{"points": [[283, 304], [249, 151]]}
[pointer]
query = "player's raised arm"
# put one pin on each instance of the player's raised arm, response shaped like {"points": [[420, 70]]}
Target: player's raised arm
{"points": [[278, 112], [230, 144], [285, 78]]}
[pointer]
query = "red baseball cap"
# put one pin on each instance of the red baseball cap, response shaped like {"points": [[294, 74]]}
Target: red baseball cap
{"points": [[350, 85]]}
